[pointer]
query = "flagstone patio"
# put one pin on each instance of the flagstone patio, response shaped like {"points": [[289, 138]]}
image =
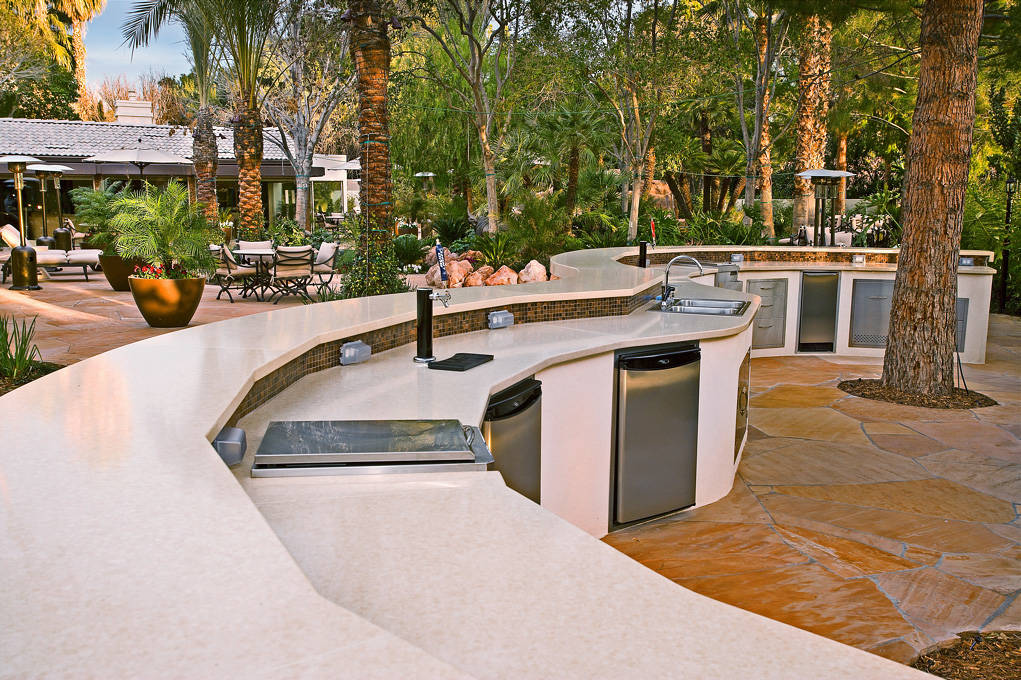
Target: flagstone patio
{"points": [[886, 527]]}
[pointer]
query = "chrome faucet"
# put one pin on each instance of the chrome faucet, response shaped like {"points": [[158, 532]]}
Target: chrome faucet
{"points": [[667, 288]]}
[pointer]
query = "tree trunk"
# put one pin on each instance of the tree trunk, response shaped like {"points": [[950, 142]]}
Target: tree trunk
{"points": [[370, 45], [765, 159], [681, 191], [573, 168], [721, 197], [813, 104], [489, 166], [205, 157], [706, 135], [302, 194], [841, 206], [650, 172], [736, 190], [78, 55], [920, 348], [248, 151], [636, 197]]}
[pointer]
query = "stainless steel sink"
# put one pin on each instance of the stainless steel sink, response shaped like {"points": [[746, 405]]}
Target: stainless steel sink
{"points": [[712, 307]]}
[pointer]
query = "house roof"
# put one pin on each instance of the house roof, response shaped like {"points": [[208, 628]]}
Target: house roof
{"points": [[70, 139]]}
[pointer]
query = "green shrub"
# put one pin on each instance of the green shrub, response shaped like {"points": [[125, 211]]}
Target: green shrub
{"points": [[378, 273], [18, 353], [713, 229], [408, 250], [497, 248], [539, 229], [164, 229], [450, 229], [286, 232], [94, 209], [461, 245]]}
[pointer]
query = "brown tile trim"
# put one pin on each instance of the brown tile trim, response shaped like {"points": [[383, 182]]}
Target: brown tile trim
{"points": [[327, 354]]}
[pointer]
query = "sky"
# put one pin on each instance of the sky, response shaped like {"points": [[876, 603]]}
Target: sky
{"points": [[108, 57]]}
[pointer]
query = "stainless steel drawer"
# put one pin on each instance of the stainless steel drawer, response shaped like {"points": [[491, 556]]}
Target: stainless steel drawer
{"points": [[768, 329], [767, 332]]}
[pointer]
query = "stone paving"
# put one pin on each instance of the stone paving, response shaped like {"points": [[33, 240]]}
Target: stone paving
{"points": [[78, 319], [886, 527]]}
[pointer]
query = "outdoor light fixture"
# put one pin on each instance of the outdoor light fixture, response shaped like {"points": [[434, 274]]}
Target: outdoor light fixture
{"points": [[44, 173], [1011, 187], [23, 261], [823, 181]]}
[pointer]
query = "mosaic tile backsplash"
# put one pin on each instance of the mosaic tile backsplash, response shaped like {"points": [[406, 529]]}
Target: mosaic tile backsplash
{"points": [[327, 354]]}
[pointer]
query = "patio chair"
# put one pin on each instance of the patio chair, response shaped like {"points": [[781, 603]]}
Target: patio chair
{"points": [[292, 272], [253, 245], [325, 267], [230, 274]]}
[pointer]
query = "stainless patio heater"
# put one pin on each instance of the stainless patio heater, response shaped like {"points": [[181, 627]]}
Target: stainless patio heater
{"points": [[44, 173], [24, 274], [825, 183]]}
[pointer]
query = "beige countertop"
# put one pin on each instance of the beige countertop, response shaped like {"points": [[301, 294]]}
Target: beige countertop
{"points": [[128, 549]]}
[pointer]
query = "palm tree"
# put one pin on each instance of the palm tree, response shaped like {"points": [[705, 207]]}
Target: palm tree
{"points": [[80, 13], [576, 136], [204, 57], [242, 29], [370, 49]]}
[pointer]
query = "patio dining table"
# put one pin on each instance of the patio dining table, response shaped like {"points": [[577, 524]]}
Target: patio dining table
{"points": [[263, 259]]}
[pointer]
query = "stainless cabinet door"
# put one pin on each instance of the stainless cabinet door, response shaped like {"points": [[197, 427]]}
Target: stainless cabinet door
{"points": [[516, 443], [871, 301], [657, 441]]}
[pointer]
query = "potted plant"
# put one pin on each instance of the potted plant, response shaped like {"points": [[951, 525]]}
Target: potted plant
{"points": [[94, 210], [172, 238]]}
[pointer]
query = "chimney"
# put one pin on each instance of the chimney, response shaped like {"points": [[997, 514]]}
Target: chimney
{"points": [[133, 110]]}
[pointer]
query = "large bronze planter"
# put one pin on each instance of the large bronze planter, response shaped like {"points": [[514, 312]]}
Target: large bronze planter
{"points": [[167, 303], [117, 270]]}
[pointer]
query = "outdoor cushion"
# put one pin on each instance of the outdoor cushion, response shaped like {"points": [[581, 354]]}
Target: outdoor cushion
{"points": [[50, 258], [89, 257], [10, 236], [255, 245], [326, 253], [323, 268], [292, 272], [235, 271], [5, 254]]}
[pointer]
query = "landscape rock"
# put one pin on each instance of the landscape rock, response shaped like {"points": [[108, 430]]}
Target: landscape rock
{"points": [[504, 276], [485, 271], [473, 255], [474, 279], [457, 270], [430, 256], [533, 271]]}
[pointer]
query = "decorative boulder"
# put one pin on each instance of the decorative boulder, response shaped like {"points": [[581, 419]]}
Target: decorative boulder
{"points": [[474, 279], [533, 271], [430, 256], [456, 271], [473, 255], [485, 271], [504, 276]]}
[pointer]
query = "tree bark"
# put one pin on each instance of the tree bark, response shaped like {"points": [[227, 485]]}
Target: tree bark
{"points": [[573, 168], [370, 45], [920, 348], [765, 160], [681, 191], [492, 195], [813, 104], [248, 151], [841, 206], [650, 172], [706, 135], [205, 156], [736, 190], [78, 54]]}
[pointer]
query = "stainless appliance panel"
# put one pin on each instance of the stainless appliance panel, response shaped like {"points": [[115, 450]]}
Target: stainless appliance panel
{"points": [[817, 327], [657, 437], [513, 430]]}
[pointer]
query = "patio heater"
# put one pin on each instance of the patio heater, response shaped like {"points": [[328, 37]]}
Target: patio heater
{"points": [[825, 183], [44, 173], [23, 261], [1011, 187]]}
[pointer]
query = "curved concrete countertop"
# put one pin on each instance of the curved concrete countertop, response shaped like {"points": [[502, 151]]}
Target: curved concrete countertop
{"points": [[128, 549]]}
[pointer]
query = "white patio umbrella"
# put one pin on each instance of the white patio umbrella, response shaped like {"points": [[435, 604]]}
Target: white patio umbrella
{"points": [[139, 158]]}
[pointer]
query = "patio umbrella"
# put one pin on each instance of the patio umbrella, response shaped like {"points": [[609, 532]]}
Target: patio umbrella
{"points": [[139, 158]]}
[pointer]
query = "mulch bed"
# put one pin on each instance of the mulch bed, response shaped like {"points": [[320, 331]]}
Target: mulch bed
{"points": [[994, 655], [874, 389], [40, 369]]}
